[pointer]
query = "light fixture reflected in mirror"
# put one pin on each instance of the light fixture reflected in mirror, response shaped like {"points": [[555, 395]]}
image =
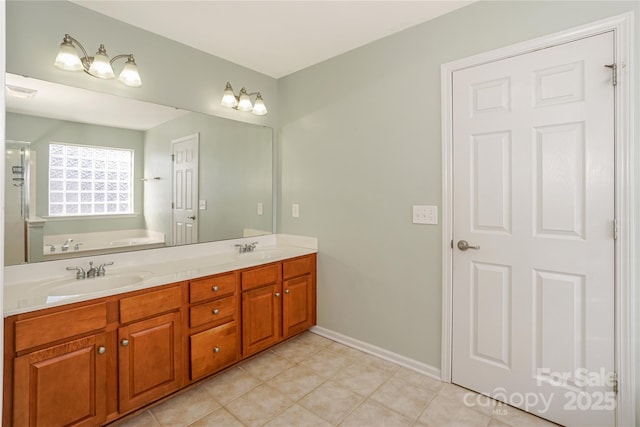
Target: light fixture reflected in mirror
{"points": [[242, 102], [99, 66]]}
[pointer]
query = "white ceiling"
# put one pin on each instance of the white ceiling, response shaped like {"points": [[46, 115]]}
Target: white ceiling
{"points": [[62, 102], [276, 38]]}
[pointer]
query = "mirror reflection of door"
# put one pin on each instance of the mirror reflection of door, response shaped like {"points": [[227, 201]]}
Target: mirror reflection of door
{"points": [[185, 189], [16, 201]]}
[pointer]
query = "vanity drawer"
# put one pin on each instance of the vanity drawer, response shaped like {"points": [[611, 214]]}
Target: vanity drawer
{"points": [[217, 312], [257, 277], [57, 326], [297, 267], [212, 287], [213, 349], [150, 304]]}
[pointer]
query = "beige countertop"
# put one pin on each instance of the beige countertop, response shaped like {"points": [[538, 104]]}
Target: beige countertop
{"points": [[56, 286]]}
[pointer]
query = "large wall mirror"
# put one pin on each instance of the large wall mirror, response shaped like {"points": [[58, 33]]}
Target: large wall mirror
{"points": [[89, 173]]}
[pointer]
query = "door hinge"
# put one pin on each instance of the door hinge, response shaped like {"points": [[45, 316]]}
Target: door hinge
{"points": [[615, 382], [614, 73], [615, 229], [452, 244], [173, 157], [173, 205]]}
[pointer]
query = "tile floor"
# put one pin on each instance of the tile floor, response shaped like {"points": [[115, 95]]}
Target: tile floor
{"points": [[313, 381]]}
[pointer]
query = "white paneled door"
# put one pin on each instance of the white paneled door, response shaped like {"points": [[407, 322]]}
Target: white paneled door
{"points": [[533, 288], [185, 189]]}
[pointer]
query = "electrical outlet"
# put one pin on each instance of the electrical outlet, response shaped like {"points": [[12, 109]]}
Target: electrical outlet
{"points": [[202, 205], [425, 214], [295, 210], [259, 208]]}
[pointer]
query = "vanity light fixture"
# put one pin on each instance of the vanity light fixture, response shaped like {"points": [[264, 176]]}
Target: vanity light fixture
{"points": [[99, 66], [242, 102]]}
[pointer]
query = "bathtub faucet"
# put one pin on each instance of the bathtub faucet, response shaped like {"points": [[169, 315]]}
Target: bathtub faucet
{"points": [[65, 245]]}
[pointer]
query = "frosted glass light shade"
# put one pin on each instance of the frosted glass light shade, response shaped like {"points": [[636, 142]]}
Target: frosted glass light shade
{"points": [[259, 109], [229, 98], [100, 66], [244, 103], [68, 58], [129, 75]]}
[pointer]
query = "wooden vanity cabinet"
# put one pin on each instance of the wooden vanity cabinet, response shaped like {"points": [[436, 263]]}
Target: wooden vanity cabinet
{"points": [[261, 308], [62, 385], [299, 295], [90, 363], [60, 367], [214, 339], [149, 347], [278, 301]]}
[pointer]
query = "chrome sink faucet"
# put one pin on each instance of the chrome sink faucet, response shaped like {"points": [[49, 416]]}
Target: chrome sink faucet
{"points": [[247, 247], [65, 245], [92, 272]]}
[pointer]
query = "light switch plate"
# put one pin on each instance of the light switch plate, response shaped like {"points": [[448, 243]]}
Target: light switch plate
{"points": [[260, 208], [295, 210], [202, 205], [425, 214]]}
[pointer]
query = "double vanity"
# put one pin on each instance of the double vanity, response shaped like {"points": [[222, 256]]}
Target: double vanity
{"points": [[88, 351]]}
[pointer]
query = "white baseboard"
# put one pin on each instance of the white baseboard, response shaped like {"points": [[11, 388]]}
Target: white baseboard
{"points": [[412, 364]]}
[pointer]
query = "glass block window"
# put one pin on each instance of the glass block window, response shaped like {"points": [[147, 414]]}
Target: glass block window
{"points": [[90, 180]]}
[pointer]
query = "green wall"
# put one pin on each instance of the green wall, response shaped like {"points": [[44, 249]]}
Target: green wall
{"points": [[360, 143]]}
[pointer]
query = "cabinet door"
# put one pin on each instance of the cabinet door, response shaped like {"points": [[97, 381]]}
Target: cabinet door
{"points": [[213, 349], [149, 360], [298, 305], [261, 318], [62, 385]]}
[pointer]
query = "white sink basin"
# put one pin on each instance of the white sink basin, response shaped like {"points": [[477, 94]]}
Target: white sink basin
{"points": [[262, 254], [74, 287]]}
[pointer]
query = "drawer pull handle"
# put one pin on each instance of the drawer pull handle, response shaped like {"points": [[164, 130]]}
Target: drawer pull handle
{"points": [[277, 295], [216, 349], [215, 288], [124, 343], [215, 311], [286, 291], [102, 350]]}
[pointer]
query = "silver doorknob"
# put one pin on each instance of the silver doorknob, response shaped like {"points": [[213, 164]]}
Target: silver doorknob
{"points": [[192, 217], [215, 288], [216, 349], [124, 343], [102, 350], [277, 295], [287, 291], [215, 311], [463, 245]]}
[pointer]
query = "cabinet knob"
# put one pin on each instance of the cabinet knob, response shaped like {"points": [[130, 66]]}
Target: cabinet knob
{"points": [[286, 291], [124, 343], [102, 350], [215, 288], [277, 295], [216, 349], [215, 311]]}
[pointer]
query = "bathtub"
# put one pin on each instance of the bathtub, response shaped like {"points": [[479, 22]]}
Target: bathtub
{"points": [[85, 244]]}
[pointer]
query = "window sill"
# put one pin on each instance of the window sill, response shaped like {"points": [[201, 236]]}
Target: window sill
{"points": [[83, 217]]}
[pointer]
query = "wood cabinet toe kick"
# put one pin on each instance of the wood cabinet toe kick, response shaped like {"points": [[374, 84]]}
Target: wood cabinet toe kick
{"points": [[90, 363]]}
